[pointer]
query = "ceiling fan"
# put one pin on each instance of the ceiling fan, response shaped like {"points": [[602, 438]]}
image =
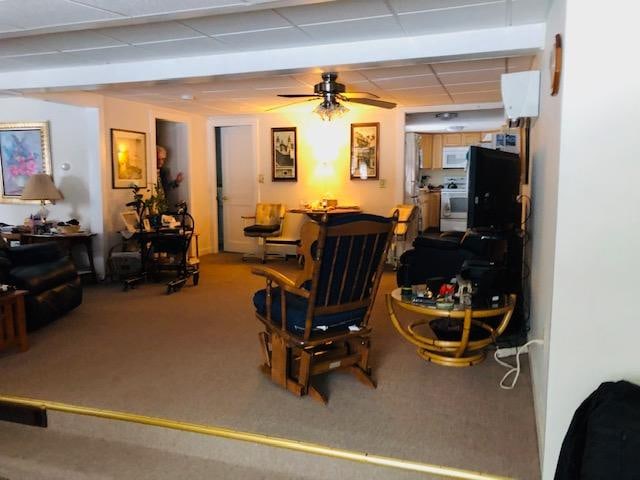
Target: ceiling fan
{"points": [[332, 93]]}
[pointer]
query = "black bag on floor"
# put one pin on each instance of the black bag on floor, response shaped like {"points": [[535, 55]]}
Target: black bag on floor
{"points": [[603, 440]]}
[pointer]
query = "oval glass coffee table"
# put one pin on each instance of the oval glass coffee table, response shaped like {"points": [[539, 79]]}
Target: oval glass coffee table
{"points": [[454, 338]]}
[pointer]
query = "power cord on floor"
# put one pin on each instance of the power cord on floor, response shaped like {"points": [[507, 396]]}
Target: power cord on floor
{"points": [[513, 369]]}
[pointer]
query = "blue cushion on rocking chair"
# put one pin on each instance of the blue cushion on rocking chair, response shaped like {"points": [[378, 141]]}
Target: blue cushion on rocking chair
{"points": [[297, 312]]}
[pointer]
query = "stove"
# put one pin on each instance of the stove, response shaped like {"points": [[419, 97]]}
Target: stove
{"points": [[453, 204], [454, 183]]}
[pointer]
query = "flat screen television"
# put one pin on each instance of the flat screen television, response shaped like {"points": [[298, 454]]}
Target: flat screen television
{"points": [[494, 186]]}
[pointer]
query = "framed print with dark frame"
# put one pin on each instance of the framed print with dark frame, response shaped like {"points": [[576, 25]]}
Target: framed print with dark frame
{"points": [[128, 158], [284, 154], [24, 151], [365, 158]]}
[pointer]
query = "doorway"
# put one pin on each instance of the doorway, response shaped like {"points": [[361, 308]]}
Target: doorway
{"points": [[174, 174], [235, 188]]}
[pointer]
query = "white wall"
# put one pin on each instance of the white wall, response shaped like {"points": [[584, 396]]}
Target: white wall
{"points": [[73, 141], [544, 167], [595, 327], [323, 159], [126, 115]]}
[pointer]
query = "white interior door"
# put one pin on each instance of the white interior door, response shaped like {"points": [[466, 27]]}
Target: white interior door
{"points": [[238, 185]]}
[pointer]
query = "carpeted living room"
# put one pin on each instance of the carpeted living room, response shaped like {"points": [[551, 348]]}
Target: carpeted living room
{"points": [[318, 239], [193, 357]]}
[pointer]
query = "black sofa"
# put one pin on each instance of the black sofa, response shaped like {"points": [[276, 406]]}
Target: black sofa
{"points": [[49, 276]]}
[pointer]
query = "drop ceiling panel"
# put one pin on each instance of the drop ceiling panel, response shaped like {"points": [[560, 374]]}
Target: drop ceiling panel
{"points": [[262, 40], [48, 60], [471, 17], [334, 11], [151, 32], [528, 11], [385, 73], [154, 7], [42, 13], [404, 6], [418, 81], [474, 87], [237, 22], [470, 77], [469, 65], [5, 27], [362, 29]]}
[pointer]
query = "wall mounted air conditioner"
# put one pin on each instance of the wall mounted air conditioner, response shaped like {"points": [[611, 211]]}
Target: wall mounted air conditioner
{"points": [[521, 94]]}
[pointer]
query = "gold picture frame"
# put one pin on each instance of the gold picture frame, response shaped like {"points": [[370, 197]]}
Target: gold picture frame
{"points": [[128, 158], [24, 151], [365, 151]]}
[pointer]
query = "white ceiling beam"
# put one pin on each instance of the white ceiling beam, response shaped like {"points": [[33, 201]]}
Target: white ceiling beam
{"points": [[505, 41]]}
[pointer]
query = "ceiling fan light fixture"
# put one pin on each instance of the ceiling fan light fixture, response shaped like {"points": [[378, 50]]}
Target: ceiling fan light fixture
{"points": [[330, 109]]}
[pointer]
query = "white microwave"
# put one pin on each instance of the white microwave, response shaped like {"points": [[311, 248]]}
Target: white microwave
{"points": [[455, 157]]}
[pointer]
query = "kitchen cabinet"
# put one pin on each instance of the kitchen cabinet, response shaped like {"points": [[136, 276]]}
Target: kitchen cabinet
{"points": [[436, 156], [471, 138], [452, 140], [426, 145], [430, 210]]}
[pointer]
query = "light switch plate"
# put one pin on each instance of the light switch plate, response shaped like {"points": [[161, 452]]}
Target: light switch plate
{"points": [[261, 178], [383, 183]]}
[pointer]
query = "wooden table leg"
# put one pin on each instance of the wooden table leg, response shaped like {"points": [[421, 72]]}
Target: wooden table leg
{"points": [[21, 324]]}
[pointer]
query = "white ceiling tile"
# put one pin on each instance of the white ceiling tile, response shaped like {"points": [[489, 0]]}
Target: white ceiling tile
{"points": [[8, 64], [262, 40], [44, 13], [477, 97], [332, 11], [5, 27], [383, 73], [426, 91], [237, 22], [24, 46], [469, 65], [405, 6], [474, 87], [154, 7], [349, 30], [111, 55], [472, 17], [528, 11], [151, 32], [183, 48], [456, 78], [408, 82]]}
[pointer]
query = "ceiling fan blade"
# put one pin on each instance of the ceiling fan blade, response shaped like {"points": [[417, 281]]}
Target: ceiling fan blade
{"points": [[298, 95], [289, 104], [372, 102], [368, 94]]}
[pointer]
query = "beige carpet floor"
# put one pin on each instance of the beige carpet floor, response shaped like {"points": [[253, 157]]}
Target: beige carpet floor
{"points": [[194, 356]]}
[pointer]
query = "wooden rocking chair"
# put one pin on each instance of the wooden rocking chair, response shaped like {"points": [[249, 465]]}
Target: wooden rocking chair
{"points": [[319, 322]]}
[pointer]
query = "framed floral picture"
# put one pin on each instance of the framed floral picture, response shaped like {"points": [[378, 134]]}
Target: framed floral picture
{"points": [[128, 158], [364, 150], [24, 151], [284, 154]]}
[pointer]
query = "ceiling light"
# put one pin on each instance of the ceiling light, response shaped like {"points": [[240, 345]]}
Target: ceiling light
{"points": [[446, 115], [330, 108], [454, 128], [186, 96]]}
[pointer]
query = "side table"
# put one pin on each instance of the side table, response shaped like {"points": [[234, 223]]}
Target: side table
{"points": [[13, 328], [469, 338]]}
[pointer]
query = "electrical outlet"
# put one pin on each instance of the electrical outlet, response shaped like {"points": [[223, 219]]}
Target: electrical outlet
{"points": [[383, 183], [261, 178]]}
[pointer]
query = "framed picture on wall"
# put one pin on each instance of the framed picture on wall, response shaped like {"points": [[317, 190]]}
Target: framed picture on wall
{"points": [[128, 158], [365, 163], [24, 151], [284, 154]]}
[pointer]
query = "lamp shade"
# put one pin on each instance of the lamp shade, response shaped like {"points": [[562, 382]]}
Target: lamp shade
{"points": [[40, 187]]}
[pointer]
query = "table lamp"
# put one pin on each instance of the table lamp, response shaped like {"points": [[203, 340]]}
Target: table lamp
{"points": [[40, 187]]}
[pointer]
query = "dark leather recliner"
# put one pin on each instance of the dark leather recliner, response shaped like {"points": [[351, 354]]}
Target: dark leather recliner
{"points": [[439, 257], [49, 276]]}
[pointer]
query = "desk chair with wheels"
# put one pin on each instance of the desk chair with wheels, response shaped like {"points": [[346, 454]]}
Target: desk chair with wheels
{"points": [[319, 322], [267, 223]]}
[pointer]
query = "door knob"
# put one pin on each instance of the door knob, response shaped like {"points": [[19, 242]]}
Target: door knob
{"points": [[224, 198]]}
